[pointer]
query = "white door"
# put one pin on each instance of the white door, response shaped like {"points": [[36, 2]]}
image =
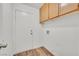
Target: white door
{"points": [[23, 28]]}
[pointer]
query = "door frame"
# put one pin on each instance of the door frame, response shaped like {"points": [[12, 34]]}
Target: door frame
{"points": [[23, 8]]}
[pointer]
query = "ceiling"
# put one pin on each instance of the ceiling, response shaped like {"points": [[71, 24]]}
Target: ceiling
{"points": [[34, 5]]}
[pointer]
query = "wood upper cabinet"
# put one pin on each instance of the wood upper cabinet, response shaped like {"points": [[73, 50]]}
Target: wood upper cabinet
{"points": [[65, 8], [48, 10], [53, 10], [44, 12]]}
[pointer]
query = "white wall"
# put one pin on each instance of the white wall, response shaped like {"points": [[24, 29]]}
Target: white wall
{"points": [[38, 37], [63, 38], [62, 41], [0, 21], [6, 29]]}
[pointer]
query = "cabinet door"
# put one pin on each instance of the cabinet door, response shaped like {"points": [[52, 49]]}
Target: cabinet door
{"points": [[44, 12], [53, 10], [67, 7]]}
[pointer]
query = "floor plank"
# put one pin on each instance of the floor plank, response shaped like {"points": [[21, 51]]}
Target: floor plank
{"points": [[41, 51]]}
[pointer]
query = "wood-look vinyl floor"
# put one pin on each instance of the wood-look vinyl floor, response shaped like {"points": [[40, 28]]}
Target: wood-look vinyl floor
{"points": [[35, 52]]}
